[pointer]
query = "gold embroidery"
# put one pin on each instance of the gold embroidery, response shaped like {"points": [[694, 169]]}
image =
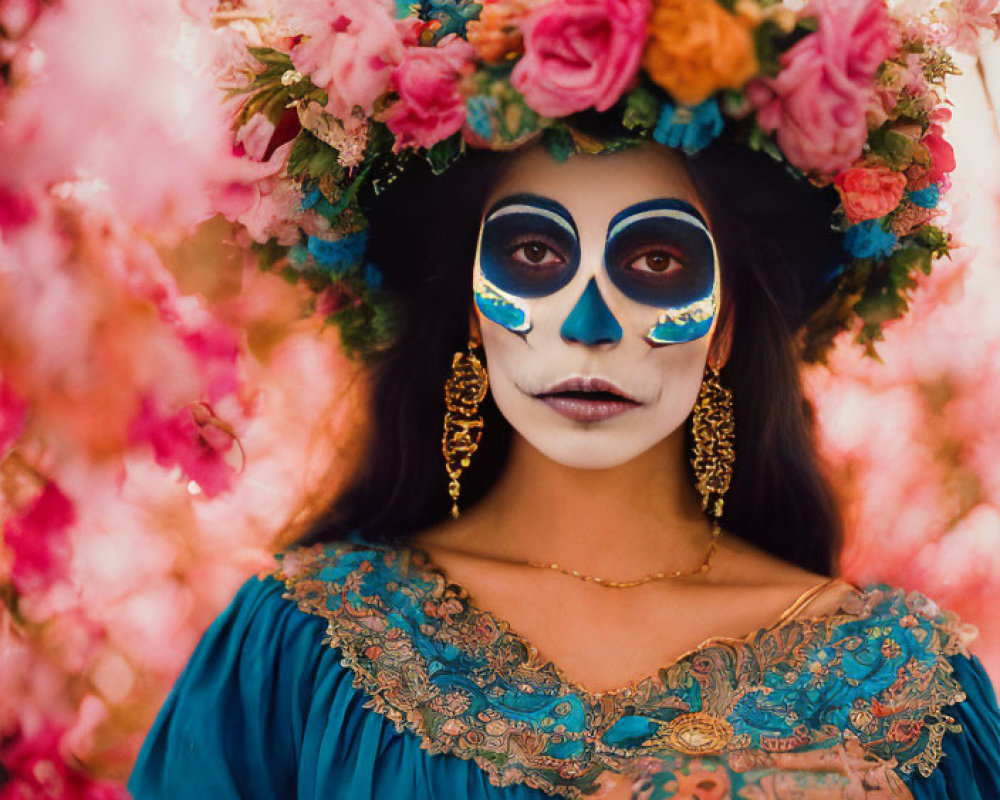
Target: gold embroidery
{"points": [[464, 684], [694, 734]]}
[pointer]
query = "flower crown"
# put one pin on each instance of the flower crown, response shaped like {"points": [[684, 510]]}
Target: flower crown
{"points": [[336, 97]]}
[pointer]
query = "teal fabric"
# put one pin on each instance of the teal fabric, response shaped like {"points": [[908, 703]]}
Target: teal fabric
{"points": [[970, 766], [265, 709]]}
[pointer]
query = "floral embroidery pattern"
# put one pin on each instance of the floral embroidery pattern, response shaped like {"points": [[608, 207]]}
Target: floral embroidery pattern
{"points": [[873, 676]]}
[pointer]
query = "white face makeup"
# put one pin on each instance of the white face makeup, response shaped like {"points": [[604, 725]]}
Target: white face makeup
{"points": [[597, 289]]}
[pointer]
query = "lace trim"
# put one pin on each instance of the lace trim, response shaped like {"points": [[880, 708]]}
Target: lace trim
{"points": [[464, 683]]}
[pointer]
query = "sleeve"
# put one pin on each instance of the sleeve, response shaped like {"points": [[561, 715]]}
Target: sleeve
{"points": [[233, 723], [969, 768]]}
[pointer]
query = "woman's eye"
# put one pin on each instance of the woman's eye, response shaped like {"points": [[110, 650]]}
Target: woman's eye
{"points": [[657, 262], [536, 254]]}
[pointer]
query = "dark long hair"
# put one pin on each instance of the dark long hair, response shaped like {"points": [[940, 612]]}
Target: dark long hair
{"points": [[771, 229]]}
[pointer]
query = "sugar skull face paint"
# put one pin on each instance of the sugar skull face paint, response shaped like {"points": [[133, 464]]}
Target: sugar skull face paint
{"points": [[661, 253], [596, 286], [528, 248]]}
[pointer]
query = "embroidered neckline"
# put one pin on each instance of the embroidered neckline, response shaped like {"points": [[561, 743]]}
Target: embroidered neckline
{"points": [[464, 683], [443, 586]]}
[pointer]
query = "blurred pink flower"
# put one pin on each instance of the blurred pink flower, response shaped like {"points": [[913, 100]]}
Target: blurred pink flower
{"points": [[216, 347], [13, 409], [267, 204], [37, 768], [255, 136], [15, 210], [430, 107], [350, 49], [191, 438], [38, 538], [817, 104], [16, 16], [580, 53], [869, 192], [155, 152], [967, 18]]}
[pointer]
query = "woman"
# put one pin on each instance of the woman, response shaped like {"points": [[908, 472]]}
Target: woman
{"points": [[625, 585]]}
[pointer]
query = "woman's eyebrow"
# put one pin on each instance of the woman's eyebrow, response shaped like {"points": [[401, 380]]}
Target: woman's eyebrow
{"points": [[522, 203], [665, 207]]}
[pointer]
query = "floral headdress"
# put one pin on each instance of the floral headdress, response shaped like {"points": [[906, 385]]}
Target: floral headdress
{"points": [[337, 97]]}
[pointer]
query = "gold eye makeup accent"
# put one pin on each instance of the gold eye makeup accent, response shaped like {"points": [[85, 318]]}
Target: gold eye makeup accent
{"points": [[500, 307], [678, 325]]}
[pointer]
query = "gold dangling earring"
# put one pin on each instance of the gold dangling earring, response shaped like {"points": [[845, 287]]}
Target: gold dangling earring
{"points": [[713, 426], [463, 425]]}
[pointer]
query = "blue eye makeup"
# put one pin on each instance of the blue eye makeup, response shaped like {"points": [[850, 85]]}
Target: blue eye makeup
{"points": [[660, 253], [529, 246]]}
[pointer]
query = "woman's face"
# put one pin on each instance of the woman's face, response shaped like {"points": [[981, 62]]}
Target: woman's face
{"points": [[597, 291]]}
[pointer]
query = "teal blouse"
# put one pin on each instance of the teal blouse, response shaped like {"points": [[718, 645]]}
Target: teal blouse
{"points": [[360, 672]]}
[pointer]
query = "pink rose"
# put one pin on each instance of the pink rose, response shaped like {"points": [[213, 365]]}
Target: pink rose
{"points": [[430, 106], [350, 51], [580, 53], [870, 192], [817, 104]]}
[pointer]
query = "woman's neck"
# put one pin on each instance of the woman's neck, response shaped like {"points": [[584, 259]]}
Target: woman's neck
{"points": [[618, 521]]}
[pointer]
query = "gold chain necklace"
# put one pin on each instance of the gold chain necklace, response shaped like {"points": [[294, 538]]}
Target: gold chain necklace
{"points": [[607, 583]]}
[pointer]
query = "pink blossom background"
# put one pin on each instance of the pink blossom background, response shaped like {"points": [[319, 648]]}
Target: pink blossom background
{"points": [[167, 417]]}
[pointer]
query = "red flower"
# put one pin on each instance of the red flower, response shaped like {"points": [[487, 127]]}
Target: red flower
{"points": [[870, 192]]}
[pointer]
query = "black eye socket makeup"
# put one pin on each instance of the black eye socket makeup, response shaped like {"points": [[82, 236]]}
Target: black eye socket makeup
{"points": [[660, 253], [530, 246]]}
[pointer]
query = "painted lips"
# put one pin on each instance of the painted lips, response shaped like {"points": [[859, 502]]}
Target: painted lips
{"points": [[587, 399]]}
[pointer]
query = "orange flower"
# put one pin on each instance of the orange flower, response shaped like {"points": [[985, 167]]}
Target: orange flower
{"points": [[696, 47], [496, 35]]}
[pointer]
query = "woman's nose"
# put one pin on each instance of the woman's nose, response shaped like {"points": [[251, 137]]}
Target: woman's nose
{"points": [[590, 321]]}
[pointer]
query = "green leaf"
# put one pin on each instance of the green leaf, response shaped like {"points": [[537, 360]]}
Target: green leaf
{"points": [[271, 57], [642, 110], [758, 139], [445, 153], [559, 142], [311, 157], [904, 262], [934, 239], [895, 149]]}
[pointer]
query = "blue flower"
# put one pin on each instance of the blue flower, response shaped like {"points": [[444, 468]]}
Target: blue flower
{"points": [[869, 239], [689, 128], [373, 277], [927, 197], [341, 255], [479, 114], [309, 199]]}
